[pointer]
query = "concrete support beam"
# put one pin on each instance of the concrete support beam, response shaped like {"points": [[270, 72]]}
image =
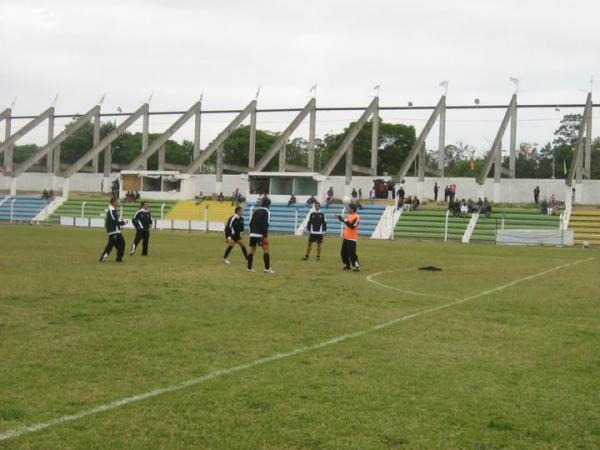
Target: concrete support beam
{"points": [[422, 162], [577, 161], [491, 156], [349, 140], [442, 141], [50, 155], [220, 139], [7, 127], [161, 157], [294, 168], [362, 169], [420, 142], [349, 159], [55, 143], [282, 156], [587, 160], [145, 128], [311, 138], [252, 146], [121, 128], [197, 128], [141, 161], [107, 160], [220, 156], [512, 161], [498, 164], [8, 144], [96, 139], [375, 139], [278, 145]]}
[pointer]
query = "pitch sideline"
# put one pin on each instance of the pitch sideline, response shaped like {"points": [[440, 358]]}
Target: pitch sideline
{"points": [[276, 357]]}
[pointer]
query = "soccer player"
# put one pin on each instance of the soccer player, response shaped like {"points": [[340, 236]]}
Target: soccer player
{"points": [[317, 227], [259, 229], [113, 228], [142, 221], [233, 234], [349, 256]]}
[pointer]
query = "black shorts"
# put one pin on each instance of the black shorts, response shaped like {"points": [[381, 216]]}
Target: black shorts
{"points": [[254, 241], [315, 238], [234, 237]]}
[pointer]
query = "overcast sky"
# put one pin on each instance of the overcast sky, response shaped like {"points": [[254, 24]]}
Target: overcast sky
{"points": [[179, 48]]}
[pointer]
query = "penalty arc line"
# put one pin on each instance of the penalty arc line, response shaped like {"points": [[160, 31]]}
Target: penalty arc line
{"points": [[276, 357], [371, 277]]}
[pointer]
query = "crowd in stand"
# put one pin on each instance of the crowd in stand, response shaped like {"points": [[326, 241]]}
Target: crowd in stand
{"points": [[132, 196], [460, 208], [48, 195]]}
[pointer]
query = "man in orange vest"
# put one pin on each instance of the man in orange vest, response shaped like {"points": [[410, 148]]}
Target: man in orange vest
{"points": [[349, 256]]}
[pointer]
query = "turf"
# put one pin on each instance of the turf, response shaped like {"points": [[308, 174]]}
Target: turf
{"points": [[516, 368]]}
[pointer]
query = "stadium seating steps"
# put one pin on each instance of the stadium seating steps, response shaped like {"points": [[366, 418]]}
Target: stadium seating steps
{"points": [[25, 208], [586, 224], [284, 219], [97, 206], [192, 210], [430, 224], [514, 219]]}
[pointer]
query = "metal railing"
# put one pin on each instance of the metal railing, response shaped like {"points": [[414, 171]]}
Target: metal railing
{"points": [[83, 208]]}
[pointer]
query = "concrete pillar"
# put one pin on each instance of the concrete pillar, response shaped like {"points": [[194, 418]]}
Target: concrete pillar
{"points": [[513, 142], [145, 127], [219, 176], [56, 181], [50, 155], [442, 140], [498, 163], [421, 162], [65, 193], [197, 128], [311, 138], [96, 139], [161, 157], [8, 153], [588, 145], [375, 139], [13, 186], [349, 162], [107, 161], [252, 149], [282, 156], [56, 163]]}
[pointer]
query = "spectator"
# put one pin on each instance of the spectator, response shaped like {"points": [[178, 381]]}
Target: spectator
{"points": [[311, 201], [372, 195], [452, 192], [329, 196], [292, 200], [137, 195], [199, 197], [51, 195], [446, 193], [486, 208], [415, 202], [359, 193], [235, 197], [391, 191], [536, 194], [436, 188], [401, 194], [220, 197], [45, 195], [354, 195]]}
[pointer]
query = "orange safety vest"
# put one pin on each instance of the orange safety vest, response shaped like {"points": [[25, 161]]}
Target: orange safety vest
{"points": [[352, 233]]}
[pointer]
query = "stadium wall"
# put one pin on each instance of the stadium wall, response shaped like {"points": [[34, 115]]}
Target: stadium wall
{"points": [[510, 191]]}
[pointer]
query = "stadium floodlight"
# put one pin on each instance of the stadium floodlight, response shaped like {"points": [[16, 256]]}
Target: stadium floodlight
{"points": [[410, 104], [376, 90], [257, 93], [101, 99], [476, 101], [13, 103], [515, 81], [53, 104], [201, 96], [312, 92]]}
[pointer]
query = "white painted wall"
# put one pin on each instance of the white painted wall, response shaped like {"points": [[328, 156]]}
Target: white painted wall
{"points": [[511, 191]]}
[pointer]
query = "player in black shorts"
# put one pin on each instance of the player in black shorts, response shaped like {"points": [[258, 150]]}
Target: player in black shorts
{"points": [[317, 227], [233, 234], [259, 230]]}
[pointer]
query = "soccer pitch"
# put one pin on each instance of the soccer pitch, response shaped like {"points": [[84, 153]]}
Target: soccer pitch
{"points": [[500, 349]]}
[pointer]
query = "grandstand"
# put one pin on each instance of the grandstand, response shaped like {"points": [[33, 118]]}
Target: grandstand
{"points": [[586, 224], [515, 219], [192, 210], [93, 207], [430, 223], [286, 219], [24, 209]]}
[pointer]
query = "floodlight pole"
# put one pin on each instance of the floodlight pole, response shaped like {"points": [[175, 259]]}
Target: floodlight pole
{"points": [[375, 137], [512, 167], [96, 139], [145, 127], [252, 146], [197, 128], [311, 138], [442, 139], [50, 155]]}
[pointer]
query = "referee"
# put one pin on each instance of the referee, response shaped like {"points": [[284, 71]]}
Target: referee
{"points": [[142, 221], [317, 227], [113, 228]]}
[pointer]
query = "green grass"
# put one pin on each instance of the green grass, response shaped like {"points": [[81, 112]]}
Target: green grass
{"points": [[517, 368]]}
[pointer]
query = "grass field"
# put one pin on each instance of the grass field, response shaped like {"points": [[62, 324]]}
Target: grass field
{"points": [[501, 349]]}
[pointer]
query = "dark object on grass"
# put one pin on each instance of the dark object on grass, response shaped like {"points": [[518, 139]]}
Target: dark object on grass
{"points": [[431, 268]]}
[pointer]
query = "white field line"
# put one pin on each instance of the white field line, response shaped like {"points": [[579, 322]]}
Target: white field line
{"points": [[371, 279], [276, 357]]}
